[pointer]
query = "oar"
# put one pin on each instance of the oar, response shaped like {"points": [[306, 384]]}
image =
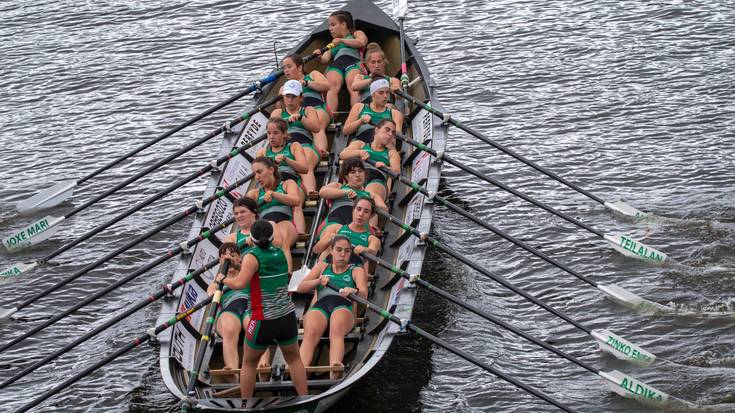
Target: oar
{"points": [[60, 192], [176, 185], [624, 244], [407, 324], [400, 8], [608, 342], [163, 291], [7, 312], [637, 390], [184, 246], [148, 335], [618, 207], [204, 342], [41, 230], [613, 291]]}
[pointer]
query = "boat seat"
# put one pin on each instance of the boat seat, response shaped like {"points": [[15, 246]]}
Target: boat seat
{"points": [[228, 390]]}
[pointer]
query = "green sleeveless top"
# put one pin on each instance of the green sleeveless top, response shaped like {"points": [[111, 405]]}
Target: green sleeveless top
{"points": [[365, 96], [308, 92], [297, 126], [374, 117], [341, 280], [378, 156], [269, 297], [274, 205], [283, 167], [356, 238], [345, 200], [344, 50]]}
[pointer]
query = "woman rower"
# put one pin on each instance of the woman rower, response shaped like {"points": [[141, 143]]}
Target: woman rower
{"points": [[330, 308], [382, 153], [344, 58], [362, 114], [343, 193], [302, 123], [357, 231], [276, 198], [313, 85], [291, 161], [376, 63], [273, 316]]}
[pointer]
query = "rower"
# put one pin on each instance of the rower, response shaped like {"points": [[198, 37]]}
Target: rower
{"points": [[357, 231], [376, 63], [273, 316], [343, 193], [291, 161], [276, 198], [330, 308], [362, 114], [381, 152], [344, 59], [313, 85], [302, 123]]}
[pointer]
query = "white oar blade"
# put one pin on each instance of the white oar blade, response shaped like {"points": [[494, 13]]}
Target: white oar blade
{"points": [[621, 348], [400, 8], [17, 269], [630, 388], [624, 210], [47, 198], [33, 234], [5, 313], [626, 298], [296, 278], [635, 249]]}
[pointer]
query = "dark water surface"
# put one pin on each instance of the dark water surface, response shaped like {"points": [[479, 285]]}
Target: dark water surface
{"points": [[631, 100]]}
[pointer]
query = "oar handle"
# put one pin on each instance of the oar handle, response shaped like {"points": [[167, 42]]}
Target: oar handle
{"points": [[407, 324], [446, 117]]}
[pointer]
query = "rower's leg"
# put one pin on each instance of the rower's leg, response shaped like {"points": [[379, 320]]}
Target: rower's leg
{"points": [[354, 94], [247, 372], [335, 80], [288, 237], [340, 324], [298, 214], [309, 179], [320, 138], [378, 193], [298, 372], [229, 328], [315, 323], [265, 361]]}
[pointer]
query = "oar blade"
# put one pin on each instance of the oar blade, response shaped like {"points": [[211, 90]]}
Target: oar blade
{"points": [[633, 248], [631, 388], [628, 299], [621, 348], [296, 278], [47, 198], [33, 234], [5, 313], [17, 269], [624, 210], [400, 8]]}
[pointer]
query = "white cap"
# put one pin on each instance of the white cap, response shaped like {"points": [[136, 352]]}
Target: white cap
{"points": [[378, 84], [292, 87]]}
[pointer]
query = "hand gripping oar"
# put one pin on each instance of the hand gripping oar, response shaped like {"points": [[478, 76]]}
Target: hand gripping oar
{"points": [[204, 342], [163, 291], [624, 244], [407, 324], [6, 312], [613, 291], [620, 383], [45, 228], [60, 192], [150, 334], [21, 268], [608, 342], [618, 207], [184, 246]]}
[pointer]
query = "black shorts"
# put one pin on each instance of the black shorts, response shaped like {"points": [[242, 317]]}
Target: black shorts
{"points": [[344, 64], [277, 217], [327, 305], [300, 138], [311, 101], [238, 308], [341, 215], [374, 175], [283, 331], [365, 136], [288, 175]]}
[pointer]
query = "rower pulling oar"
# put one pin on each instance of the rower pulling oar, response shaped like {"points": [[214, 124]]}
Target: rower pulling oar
{"points": [[407, 324], [624, 244], [618, 207], [60, 192], [45, 228], [628, 386], [149, 335]]}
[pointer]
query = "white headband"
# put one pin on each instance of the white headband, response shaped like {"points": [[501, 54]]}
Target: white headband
{"points": [[377, 85]]}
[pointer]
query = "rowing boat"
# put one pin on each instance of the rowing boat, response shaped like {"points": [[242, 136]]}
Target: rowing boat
{"points": [[372, 337]]}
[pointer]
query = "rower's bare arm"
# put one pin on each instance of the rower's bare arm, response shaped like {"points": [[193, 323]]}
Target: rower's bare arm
{"points": [[311, 120], [276, 113], [331, 191], [253, 194], [326, 57], [247, 270], [312, 279], [359, 42], [353, 120], [395, 161], [361, 281], [353, 150], [291, 197], [358, 83], [373, 244], [318, 81], [261, 152], [325, 239], [398, 118], [232, 237], [298, 164]]}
